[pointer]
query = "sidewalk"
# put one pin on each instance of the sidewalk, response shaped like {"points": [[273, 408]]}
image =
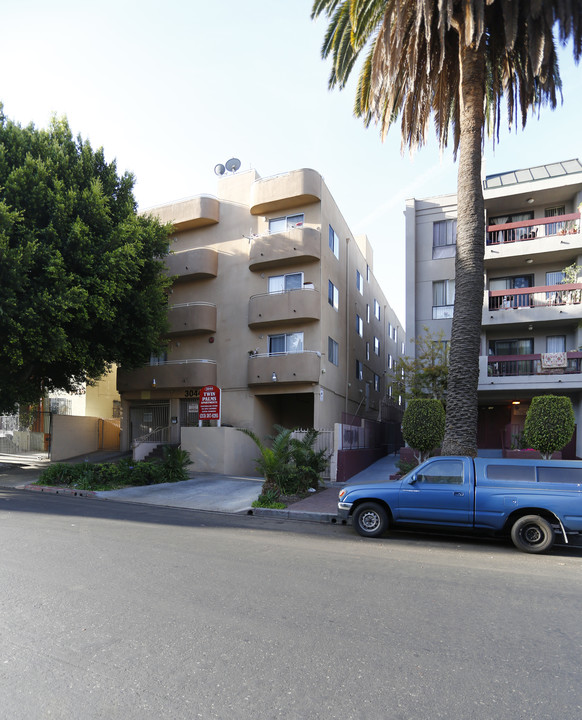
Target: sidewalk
{"points": [[206, 491]]}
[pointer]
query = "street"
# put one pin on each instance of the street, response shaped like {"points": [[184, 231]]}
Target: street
{"points": [[113, 610]]}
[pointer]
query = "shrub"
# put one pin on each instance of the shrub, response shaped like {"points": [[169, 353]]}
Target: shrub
{"points": [[423, 425], [549, 424], [175, 463]]}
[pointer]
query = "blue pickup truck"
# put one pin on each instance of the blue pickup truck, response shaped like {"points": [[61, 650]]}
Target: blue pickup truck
{"points": [[533, 501]]}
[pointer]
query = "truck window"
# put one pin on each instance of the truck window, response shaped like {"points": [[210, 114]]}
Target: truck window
{"points": [[560, 475], [512, 473], [442, 472]]}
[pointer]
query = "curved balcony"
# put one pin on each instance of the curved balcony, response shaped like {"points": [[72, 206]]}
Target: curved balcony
{"points": [[302, 367], [191, 213], [192, 318], [289, 190], [298, 245], [293, 306], [171, 375], [193, 264]]}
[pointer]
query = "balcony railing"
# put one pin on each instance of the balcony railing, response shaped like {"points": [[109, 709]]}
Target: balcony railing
{"points": [[279, 368], [532, 297], [535, 364], [531, 229], [298, 305], [171, 374]]}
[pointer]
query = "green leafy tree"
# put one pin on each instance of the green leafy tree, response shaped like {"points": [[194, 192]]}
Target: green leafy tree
{"points": [[423, 425], [549, 424], [426, 374], [455, 61], [82, 283]]}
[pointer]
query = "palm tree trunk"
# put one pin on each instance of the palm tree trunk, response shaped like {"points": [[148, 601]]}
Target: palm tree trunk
{"points": [[461, 418]]}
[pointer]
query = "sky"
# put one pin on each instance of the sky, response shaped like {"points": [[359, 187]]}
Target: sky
{"points": [[169, 89]]}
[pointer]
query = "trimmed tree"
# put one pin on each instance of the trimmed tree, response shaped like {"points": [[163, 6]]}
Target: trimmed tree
{"points": [[423, 425], [549, 424], [82, 275]]}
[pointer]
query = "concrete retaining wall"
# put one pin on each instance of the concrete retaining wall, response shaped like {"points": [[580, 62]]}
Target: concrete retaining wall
{"points": [[73, 435], [221, 450]]}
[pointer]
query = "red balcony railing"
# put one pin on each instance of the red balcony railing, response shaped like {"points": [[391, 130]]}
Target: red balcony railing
{"points": [[540, 296], [514, 365], [531, 229]]}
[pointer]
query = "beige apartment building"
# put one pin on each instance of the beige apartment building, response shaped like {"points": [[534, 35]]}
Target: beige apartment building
{"points": [[531, 335], [276, 303]]}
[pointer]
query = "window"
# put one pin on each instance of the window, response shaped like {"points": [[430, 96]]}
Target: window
{"points": [[367, 350], [281, 224], [367, 313], [159, 359], [516, 282], [556, 344], [286, 343], [392, 332], [523, 346], [376, 382], [333, 242], [61, 406], [332, 351], [359, 326], [359, 370], [332, 295], [443, 299], [359, 282], [285, 283], [390, 362], [444, 239], [377, 346], [554, 228], [389, 391], [555, 278], [512, 234], [442, 472], [402, 348], [376, 309], [367, 273]]}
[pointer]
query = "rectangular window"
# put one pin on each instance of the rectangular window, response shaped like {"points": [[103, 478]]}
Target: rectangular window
{"points": [[285, 283], [443, 299], [286, 343], [367, 273], [444, 239], [332, 351], [282, 224], [367, 313], [367, 350], [511, 347], [359, 282], [359, 370], [556, 344], [376, 382], [555, 278], [390, 362], [554, 228], [333, 242], [359, 326], [376, 309], [332, 295], [377, 346]]}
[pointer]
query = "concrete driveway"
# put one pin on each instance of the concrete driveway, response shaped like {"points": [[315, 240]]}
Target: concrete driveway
{"points": [[206, 491]]}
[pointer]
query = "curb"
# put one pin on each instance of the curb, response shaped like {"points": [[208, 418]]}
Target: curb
{"points": [[59, 491], [296, 515]]}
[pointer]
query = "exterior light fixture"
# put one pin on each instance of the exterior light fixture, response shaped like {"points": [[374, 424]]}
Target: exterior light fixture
{"points": [[516, 402], [530, 201], [274, 377], [154, 382], [529, 261]]}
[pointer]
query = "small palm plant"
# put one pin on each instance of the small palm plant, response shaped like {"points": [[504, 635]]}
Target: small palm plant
{"points": [[273, 462]]}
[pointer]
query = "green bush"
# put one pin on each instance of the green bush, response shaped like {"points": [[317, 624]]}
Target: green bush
{"points": [[126, 472], [549, 424], [423, 425]]}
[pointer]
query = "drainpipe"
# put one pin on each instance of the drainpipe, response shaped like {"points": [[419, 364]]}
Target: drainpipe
{"points": [[347, 323]]}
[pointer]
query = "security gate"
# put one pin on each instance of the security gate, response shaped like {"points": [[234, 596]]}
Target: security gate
{"points": [[150, 422]]}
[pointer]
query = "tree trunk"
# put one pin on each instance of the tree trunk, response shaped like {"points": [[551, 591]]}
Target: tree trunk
{"points": [[461, 413]]}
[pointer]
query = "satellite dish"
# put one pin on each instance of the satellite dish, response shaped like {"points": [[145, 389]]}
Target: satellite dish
{"points": [[219, 169], [232, 165]]}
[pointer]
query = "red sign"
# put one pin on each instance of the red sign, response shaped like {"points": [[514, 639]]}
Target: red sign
{"points": [[209, 407]]}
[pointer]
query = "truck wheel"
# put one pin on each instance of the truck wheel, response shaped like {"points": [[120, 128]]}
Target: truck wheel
{"points": [[532, 534], [370, 519]]}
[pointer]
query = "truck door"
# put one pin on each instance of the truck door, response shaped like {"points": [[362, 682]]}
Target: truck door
{"points": [[441, 492]]}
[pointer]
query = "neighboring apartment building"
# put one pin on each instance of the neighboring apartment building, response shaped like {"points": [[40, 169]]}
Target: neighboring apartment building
{"points": [[276, 303], [531, 336]]}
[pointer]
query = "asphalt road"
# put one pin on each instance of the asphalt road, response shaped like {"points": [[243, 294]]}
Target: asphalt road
{"points": [[111, 610]]}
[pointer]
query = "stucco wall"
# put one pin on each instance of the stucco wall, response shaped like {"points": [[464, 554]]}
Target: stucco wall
{"points": [[73, 435], [220, 450]]}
